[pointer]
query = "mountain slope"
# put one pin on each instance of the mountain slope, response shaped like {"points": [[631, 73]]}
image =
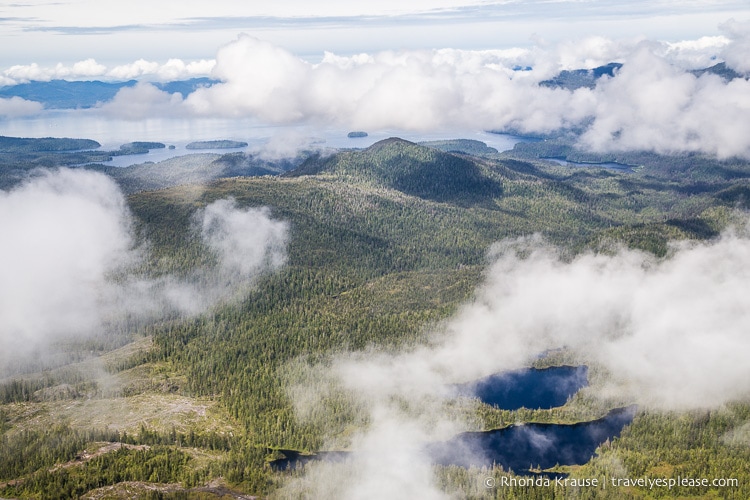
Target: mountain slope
{"points": [[412, 169]]}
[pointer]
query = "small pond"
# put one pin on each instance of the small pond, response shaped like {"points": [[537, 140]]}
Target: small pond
{"points": [[528, 388]]}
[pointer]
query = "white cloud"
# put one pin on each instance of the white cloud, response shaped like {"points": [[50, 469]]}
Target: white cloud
{"points": [[408, 90], [652, 105], [69, 237], [88, 68], [696, 54], [64, 233], [258, 79], [736, 53], [244, 239], [654, 102], [133, 70], [143, 100], [176, 69], [16, 107], [26, 73], [173, 69]]}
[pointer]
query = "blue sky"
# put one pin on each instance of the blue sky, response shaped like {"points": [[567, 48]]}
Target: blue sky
{"points": [[116, 32]]}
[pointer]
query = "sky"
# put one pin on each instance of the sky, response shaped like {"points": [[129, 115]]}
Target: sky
{"points": [[114, 32]]}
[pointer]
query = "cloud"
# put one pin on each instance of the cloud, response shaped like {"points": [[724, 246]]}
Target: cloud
{"points": [[288, 143], [33, 72], [16, 107], [136, 69], [173, 69], [258, 79], [244, 240], [141, 101], [653, 103], [64, 233], [696, 54], [736, 53], [669, 330], [671, 334], [72, 261]]}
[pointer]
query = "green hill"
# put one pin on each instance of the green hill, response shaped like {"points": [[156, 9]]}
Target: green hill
{"points": [[412, 169]]}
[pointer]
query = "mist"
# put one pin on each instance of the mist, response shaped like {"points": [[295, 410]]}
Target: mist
{"points": [[671, 334], [73, 263], [16, 107]]}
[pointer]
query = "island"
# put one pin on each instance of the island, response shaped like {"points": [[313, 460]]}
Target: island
{"points": [[221, 144]]}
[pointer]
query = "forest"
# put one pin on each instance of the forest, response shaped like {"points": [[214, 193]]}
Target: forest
{"points": [[385, 244]]}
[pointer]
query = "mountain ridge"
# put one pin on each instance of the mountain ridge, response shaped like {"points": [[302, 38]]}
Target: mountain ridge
{"points": [[411, 168]]}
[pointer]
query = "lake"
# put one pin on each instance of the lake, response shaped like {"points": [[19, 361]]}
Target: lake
{"points": [[178, 132], [518, 447], [528, 388]]}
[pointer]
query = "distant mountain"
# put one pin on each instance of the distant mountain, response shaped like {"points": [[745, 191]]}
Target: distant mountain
{"points": [[47, 144], [578, 78], [220, 144], [63, 94], [185, 87], [720, 69], [410, 168]]}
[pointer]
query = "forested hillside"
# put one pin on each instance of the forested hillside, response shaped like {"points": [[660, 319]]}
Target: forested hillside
{"points": [[384, 244]]}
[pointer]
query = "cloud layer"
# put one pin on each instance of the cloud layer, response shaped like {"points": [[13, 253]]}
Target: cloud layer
{"points": [[653, 103], [70, 256], [88, 69], [16, 107]]}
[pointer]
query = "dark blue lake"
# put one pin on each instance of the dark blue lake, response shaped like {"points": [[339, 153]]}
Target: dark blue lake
{"points": [[528, 388], [519, 447]]}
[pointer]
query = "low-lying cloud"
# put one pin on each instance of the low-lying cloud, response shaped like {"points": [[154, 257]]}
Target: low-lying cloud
{"points": [[71, 260], [653, 103], [244, 240], [16, 107], [671, 333], [173, 69]]}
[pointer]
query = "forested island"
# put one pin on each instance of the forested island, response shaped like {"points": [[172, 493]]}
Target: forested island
{"points": [[220, 144]]}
